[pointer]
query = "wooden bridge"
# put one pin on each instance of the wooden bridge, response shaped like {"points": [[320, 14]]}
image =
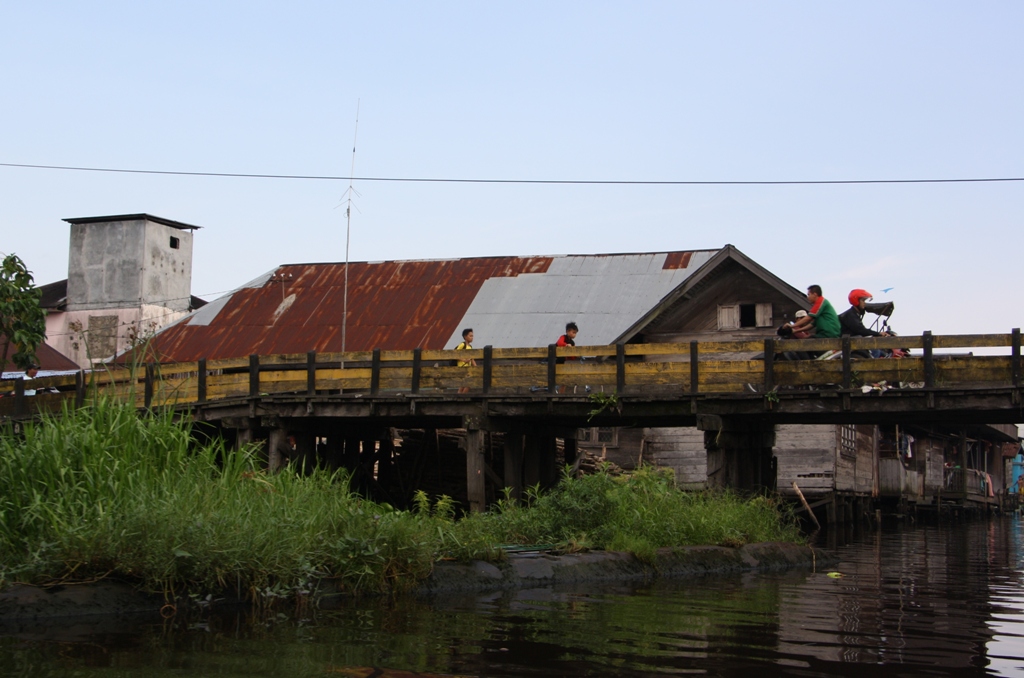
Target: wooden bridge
{"points": [[646, 384], [332, 408]]}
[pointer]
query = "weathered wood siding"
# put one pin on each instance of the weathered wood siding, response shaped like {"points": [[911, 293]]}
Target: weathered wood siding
{"points": [[933, 451], [865, 474], [892, 477], [680, 449], [806, 455]]}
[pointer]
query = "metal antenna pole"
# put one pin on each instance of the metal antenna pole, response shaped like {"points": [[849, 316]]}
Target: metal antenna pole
{"points": [[348, 233]]}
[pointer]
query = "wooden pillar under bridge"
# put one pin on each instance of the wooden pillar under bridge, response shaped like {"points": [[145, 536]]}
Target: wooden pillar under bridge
{"points": [[739, 453], [367, 457], [305, 460], [532, 455], [243, 436], [514, 464], [550, 473], [385, 460], [277, 442], [350, 458], [476, 488], [569, 450], [330, 452]]}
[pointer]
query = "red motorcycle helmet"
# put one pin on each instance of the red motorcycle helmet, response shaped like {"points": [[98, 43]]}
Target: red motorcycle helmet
{"points": [[858, 294]]}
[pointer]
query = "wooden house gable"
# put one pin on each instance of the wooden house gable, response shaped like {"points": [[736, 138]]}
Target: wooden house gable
{"points": [[730, 302]]}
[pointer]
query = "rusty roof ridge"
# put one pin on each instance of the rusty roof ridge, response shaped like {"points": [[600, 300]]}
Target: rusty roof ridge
{"points": [[498, 256]]}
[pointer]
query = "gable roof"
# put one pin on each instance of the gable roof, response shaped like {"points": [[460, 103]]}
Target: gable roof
{"points": [[684, 290], [49, 360], [400, 305]]}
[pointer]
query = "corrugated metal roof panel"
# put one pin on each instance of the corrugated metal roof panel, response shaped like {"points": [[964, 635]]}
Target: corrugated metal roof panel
{"points": [[509, 301]]}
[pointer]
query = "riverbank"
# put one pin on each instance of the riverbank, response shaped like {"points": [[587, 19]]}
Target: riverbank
{"points": [[103, 493], [23, 603]]}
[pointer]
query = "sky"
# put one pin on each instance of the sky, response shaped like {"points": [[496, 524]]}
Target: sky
{"points": [[640, 91]]}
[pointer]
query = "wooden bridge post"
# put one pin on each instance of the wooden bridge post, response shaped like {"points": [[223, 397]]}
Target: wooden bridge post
{"points": [[150, 376], [79, 388], [552, 363], [847, 366], [311, 373], [488, 366], [201, 382], [20, 403], [929, 360], [417, 368], [620, 380], [375, 372], [694, 367], [1015, 356], [254, 376], [514, 463]]}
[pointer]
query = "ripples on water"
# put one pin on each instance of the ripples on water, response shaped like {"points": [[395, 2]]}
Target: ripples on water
{"points": [[939, 601]]}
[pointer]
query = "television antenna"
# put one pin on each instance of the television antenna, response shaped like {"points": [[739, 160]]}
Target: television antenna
{"points": [[348, 232]]}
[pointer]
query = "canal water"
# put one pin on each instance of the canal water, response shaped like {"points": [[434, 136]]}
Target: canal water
{"points": [[913, 601]]}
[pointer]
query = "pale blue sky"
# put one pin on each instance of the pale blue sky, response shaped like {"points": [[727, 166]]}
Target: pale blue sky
{"points": [[595, 90]]}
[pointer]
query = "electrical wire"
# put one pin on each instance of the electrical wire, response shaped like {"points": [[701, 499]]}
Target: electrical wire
{"points": [[595, 182]]}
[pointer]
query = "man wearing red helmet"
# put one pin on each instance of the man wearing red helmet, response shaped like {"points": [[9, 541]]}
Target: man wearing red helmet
{"points": [[852, 319]]}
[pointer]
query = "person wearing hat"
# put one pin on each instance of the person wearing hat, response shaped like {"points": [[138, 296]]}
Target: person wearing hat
{"points": [[800, 333]]}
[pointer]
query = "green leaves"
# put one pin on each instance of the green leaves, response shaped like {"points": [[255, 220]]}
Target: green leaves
{"points": [[22, 320]]}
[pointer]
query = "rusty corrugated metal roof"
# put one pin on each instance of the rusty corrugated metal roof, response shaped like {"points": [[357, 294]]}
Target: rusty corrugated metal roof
{"points": [[408, 304]]}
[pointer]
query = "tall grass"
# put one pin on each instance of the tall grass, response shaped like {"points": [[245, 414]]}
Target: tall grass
{"points": [[102, 490], [640, 513]]}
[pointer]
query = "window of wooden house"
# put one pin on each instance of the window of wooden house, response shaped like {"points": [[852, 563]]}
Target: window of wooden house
{"points": [[736, 316], [848, 440], [598, 435], [748, 315]]}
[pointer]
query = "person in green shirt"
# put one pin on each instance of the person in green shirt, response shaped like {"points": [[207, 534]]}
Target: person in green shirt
{"points": [[821, 315]]}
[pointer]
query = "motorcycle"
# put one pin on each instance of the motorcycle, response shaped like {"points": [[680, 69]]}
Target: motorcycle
{"points": [[882, 310]]}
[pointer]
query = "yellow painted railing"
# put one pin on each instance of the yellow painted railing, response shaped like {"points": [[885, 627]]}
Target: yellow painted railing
{"points": [[664, 370]]}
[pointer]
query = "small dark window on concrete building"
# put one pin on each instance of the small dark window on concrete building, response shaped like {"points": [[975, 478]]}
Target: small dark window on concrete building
{"points": [[748, 315], [174, 243]]}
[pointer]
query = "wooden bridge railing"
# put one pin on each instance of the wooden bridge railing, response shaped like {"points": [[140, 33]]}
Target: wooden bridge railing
{"points": [[688, 369]]}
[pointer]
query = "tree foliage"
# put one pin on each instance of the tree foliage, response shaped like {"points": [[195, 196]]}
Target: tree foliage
{"points": [[22, 319]]}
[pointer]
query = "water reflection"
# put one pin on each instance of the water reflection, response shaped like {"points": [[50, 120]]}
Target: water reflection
{"points": [[944, 600]]}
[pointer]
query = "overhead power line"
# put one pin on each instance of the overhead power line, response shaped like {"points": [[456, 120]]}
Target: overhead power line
{"points": [[453, 180]]}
